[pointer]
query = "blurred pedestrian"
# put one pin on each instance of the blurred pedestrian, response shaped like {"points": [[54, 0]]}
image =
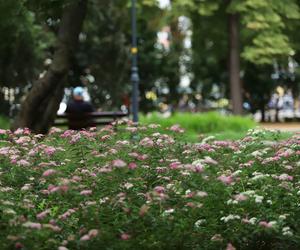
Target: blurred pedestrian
{"points": [[77, 110]]}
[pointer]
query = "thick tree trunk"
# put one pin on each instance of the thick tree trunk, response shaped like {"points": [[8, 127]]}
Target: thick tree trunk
{"points": [[234, 65], [39, 108]]}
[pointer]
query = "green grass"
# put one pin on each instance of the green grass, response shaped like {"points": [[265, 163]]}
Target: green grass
{"points": [[210, 123]]}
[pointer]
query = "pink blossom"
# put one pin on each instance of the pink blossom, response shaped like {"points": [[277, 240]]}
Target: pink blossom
{"points": [[222, 143], [177, 128], [26, 187], [159, 189], [67, 214], [247, 164], [67, 134], [285, 177], [23, 163], [32, 152], [93, 233], [19, 245], [209, 160], [199, 168], [4, 150], [240, 197], [85, 237], [201, 194], [113, 151], [50, 150], [230, 247], [75, 138], [134, 154], [132, 165], [143, 210], [227, 180], [246, 221], [105, 137], [19, 131], [43, 214], [86, 192], [190, 204], [23, 139], [63, 188], [174, 165], [54, 130], [54, 228], [32, 225], [265, 224], [132, 129], [153, 125], [147, 142], [119, 163], [49, 172], [217, 237], [125, 236], [3, 132], [62, 248], [142, 157]]}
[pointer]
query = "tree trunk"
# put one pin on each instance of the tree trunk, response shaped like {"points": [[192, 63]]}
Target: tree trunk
{"points": [[263, 112], [38, 110], [234, 65], [174, 61]]}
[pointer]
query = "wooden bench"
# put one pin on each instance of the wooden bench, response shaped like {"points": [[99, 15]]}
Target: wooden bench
{"points": [[84, 120]]}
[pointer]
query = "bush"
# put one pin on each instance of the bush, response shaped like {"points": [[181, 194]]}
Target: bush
{"points": [[209, 122], [135, 188], [4, 122]]}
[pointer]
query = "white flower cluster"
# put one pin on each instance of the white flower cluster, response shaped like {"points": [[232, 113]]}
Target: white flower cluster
{"points": [[258, 175], [230, 217], [231, 202], [207, 139], [287, 231], [200, 222], [252, 194], [168, 212]]}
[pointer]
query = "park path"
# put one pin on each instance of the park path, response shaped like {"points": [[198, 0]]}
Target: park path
{"points": [[284, 127]]}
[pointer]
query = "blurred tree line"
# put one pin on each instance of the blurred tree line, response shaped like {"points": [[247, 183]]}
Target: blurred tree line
{"points": [[47, 45]]}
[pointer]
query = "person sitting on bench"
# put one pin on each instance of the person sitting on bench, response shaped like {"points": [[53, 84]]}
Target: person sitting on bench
{"points": [[78, 109]]}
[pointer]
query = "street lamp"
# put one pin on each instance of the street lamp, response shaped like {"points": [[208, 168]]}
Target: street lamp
{"points": [[134, 67]]}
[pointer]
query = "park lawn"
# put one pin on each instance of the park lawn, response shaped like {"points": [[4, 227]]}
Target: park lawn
{"points": [[208, 122], [123, 187]]}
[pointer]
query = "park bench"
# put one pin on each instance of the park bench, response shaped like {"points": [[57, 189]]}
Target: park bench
{"points": [[84, 120]]}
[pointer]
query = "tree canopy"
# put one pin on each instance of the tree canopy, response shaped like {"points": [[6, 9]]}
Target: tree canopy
{"points": [[267, 33]]}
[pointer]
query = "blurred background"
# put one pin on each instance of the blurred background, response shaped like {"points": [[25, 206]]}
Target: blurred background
{"points": [[228, 56]]}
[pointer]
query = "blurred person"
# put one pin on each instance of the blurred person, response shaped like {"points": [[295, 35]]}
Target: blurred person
{"points": [[78, 104], [77, 109]]}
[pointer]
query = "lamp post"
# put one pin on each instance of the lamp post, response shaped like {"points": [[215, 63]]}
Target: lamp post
{"points": [[134, 67]]}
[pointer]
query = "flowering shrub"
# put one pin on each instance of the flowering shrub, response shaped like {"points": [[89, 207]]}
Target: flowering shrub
{"points": [[124, 187]]}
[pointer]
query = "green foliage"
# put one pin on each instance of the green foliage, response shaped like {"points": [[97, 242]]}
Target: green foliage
{"points": [[265, 24], [4, 122], [100, 189], [22, 50]]}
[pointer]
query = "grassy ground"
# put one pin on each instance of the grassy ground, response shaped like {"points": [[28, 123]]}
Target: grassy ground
{"points": [[205, 124]]}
